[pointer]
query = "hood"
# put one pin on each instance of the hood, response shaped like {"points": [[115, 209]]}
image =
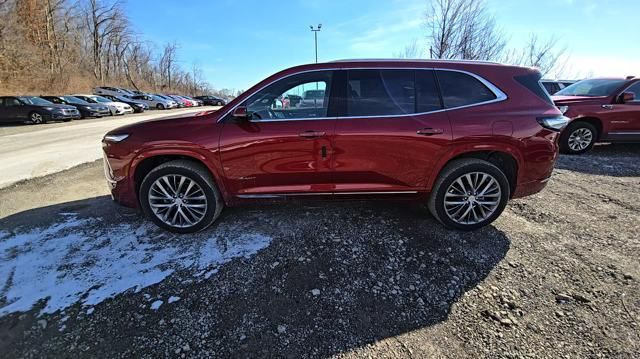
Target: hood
{"points": [[60, 106], [566, 100], [165, 125]]}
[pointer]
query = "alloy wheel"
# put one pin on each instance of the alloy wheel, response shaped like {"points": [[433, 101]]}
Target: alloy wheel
{"points": [[178, 201], [472, 198], [580, 139], [36, 118]]}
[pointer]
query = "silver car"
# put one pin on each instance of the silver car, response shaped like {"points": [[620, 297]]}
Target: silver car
{"points": [[154, 101]]}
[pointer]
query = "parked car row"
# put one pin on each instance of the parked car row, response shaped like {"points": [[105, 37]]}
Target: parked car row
{"points": [[105, 101]]}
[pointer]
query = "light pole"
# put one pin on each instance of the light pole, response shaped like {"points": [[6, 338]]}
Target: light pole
{"points": [[315, 36]]}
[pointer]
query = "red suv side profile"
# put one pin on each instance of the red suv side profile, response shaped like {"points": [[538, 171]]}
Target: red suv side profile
{"points": [[601, 110], [462, 137]]}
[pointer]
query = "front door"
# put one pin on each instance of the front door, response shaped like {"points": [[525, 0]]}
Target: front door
{"points": [[391, 132], [624, 118], [284, 147]]}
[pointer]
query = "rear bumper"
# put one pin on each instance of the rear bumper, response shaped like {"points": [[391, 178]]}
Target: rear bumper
{"points": [[530, 188]]}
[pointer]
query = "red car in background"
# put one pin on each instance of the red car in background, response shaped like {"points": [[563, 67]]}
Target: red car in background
{"points": [[601, 110], [462, 137]]}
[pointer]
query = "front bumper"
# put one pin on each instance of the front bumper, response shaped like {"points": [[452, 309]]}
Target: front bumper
{"points": [[121, 188]]}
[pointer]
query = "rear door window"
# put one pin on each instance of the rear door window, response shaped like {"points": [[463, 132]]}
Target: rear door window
{"points": [[460, 89], [427, 94], [380, 92]]}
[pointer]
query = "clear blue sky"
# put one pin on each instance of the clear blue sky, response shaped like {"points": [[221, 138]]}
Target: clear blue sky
{"points": [[237, 43]]}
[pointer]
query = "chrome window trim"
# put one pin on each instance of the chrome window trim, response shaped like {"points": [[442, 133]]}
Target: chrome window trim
{"points": [[500, 95]]}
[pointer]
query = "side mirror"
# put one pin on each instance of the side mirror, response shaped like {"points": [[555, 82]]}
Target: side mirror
{"points": [[241, 113], [627, 97]]}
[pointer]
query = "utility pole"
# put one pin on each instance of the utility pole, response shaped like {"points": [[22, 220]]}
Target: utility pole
{"points": [[315, 36]]}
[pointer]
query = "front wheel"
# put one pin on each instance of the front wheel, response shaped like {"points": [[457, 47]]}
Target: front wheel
{"points": [[579, 137], [160, 106], [469, 194], [36, 118], [180, 196]]}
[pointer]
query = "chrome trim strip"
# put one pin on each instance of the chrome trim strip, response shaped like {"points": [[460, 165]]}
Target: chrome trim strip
{"points": [[624, 133], [500, 96], [279, 195], [380, 192]]}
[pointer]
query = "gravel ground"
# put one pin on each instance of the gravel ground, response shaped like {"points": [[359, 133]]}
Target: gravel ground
{"points": [[557, 275]]}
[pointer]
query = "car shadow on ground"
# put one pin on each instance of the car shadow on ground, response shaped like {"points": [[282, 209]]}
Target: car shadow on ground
{"points": [[604, 160], [332, 277]]}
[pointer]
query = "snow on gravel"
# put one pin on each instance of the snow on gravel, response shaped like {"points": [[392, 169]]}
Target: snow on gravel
{"points": [[84, 260]]}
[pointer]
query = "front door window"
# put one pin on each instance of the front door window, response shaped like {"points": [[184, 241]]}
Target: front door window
{"points": [[298, 97]]}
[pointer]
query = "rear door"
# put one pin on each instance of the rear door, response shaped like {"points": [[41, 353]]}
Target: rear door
{"points": [[390, 132], [280, 150], [16, 109]]}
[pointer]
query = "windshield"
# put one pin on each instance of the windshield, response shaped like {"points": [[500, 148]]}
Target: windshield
{"points": [[157, 98], [101, 99], [32, 100], [593, 88], [74, 100]]}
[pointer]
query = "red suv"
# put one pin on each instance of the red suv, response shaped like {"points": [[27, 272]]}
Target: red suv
{"points": [[460, 136], [601, 110]]}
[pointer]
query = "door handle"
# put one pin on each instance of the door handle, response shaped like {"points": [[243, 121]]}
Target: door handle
{"points": [[311, 134], [429, 131]]}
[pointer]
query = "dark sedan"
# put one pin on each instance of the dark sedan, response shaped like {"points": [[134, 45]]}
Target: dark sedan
{"points": [[34, 110], [211, 100], [138, 107], [86, 109]]}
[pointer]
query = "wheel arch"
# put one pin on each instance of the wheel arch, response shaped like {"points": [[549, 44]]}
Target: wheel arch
{"points": [[595, 121], [508, 161], [144, 163]]}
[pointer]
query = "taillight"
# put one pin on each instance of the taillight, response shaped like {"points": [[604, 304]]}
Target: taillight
{"points": [[554, 123]]}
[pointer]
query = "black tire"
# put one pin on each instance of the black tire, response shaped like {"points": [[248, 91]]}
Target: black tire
{"points": [[160, 106], [453, 171], [195, 172], [219, 103], [565, 136], [36, 118], [66, 120]]}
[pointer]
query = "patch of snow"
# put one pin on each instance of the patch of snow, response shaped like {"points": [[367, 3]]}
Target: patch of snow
{"points": [[173, 299], [155, 305], [90, 310], [88, 261]]}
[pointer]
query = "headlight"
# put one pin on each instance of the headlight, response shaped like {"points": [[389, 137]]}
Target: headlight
{"points": [[555, 123], [563, 109], [88, 108], [115, 138]]}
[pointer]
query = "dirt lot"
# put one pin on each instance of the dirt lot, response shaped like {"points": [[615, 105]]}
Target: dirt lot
{"points": [[556, 276]]}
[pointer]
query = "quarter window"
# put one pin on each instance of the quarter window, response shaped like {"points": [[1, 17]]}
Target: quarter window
{"points": [[460, 89], [301, 96], [380, 92]]}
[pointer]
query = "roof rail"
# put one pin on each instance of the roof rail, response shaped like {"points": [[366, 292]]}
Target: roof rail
{"points": [[419, 60]]}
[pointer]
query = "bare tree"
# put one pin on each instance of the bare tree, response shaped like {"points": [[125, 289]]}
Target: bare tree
{"points": [[410, 51], [463, 29], [168, 62], [546, 55]]}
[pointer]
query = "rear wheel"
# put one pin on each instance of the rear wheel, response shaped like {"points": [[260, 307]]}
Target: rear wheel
{"points": [[579, 137], [469, 194], [180, 196], [36, 118]]}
